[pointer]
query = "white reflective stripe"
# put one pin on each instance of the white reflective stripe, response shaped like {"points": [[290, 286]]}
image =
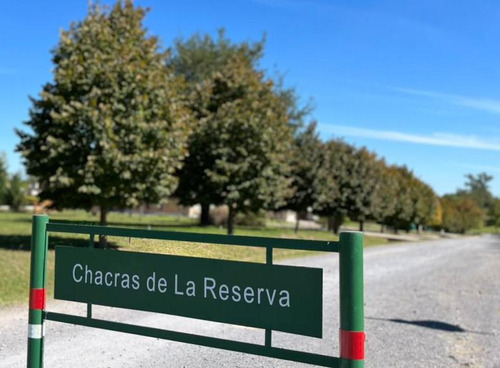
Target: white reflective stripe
{"points": [[36, 331]]}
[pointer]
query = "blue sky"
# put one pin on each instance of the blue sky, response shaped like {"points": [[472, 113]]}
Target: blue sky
{"points": [[418, 82]]}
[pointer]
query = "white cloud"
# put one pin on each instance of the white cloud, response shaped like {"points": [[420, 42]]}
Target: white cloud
{"points": [[483, 104], [434, 139]]}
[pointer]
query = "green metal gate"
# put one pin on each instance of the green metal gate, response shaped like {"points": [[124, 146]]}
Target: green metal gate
{"points": [[349, 247]]}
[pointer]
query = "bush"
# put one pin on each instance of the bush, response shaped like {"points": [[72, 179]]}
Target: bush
{"points": [[251, 218]]}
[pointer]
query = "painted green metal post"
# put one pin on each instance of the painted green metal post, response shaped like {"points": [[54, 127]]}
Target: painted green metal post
{"points": [[352, 335], [38, 291]]}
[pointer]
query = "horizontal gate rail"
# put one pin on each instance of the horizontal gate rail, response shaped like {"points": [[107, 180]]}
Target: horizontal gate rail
{"points": [[253, 241], [242, 347]]}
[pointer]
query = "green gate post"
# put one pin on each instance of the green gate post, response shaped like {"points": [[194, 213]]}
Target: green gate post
{"points": [[352, 335], [38, 291]]}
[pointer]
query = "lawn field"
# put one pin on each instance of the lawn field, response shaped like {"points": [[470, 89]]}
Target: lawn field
{"points": [[15, 232]]}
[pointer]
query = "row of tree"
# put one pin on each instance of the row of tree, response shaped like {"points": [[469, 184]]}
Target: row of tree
{"points": [[125, 123], [336, 180]]}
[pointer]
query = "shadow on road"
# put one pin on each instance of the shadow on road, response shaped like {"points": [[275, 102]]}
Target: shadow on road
{"points": [[435, 325]]}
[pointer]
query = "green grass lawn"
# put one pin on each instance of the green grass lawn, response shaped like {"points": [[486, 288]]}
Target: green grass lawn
{"points": [[15, 231]]}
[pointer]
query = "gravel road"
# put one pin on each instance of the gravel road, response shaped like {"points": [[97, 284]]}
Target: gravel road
{"points": [[431, 304]]}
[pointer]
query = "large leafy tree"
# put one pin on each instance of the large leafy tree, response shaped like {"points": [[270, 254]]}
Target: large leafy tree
{"points": [[236, 106], [335, 186], [365, 177], [399, 203], [477, 187], [460, 213], [307, 160], [243, 141], [405, 200], [384, 203], [425, 203], [350, 181], [110, 130], [197, 60]]}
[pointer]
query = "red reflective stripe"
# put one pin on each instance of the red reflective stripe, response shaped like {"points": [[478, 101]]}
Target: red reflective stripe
{"points": [[38, 298], [352, 345]]}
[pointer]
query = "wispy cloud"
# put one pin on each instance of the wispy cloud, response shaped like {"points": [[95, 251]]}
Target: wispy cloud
{"points": [[484, 104], [359, 13], [434, 139], [476, 167]]}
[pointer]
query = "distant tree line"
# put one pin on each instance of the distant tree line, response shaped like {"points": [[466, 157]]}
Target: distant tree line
{"points": [[471, 207], [124, 123], [12, 187]]}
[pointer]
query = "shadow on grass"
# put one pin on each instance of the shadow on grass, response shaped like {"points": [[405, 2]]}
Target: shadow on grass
{"points": [[435, 325], [22, 242]]}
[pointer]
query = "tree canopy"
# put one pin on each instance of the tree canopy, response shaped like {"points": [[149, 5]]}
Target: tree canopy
{"points": [[477, 186], [110, 130], [306, 160], [460, 213], [244, 127], [241, 142]]}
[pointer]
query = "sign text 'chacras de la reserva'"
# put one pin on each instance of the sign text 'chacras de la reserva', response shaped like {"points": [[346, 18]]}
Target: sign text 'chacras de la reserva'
{"points": [[176, 284], [283, 298]]}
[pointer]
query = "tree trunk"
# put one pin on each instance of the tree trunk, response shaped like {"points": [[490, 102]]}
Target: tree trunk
{"points": [[205, 214], [103, 221], [337, 221], [330, 223], [361, 225], [230, 220], [297, 221], [382, 228]]}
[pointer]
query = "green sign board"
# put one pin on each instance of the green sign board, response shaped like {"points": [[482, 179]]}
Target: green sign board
{"points": [[276, 297]]}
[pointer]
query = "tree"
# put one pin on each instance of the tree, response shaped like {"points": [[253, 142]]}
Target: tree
{"points": [[243, 141], [354, 176], [4, 177], [478, 189], [196, 60], [424, 203], [335, 190], [365, 178], [385, 198], [460, 213], [401, 213], [306, 160], [15, 192], [111, 129], [221, 76]]}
